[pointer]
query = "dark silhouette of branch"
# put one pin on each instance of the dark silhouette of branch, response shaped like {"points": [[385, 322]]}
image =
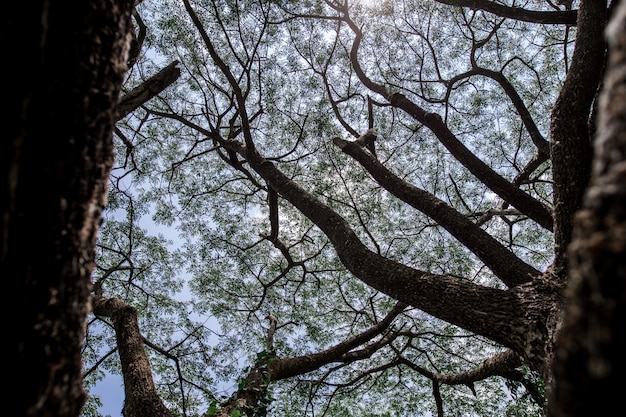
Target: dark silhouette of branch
{"points": [[147, 90], [499, 185], [556, 17], [141, 397], [570, 136], [508, 267]]}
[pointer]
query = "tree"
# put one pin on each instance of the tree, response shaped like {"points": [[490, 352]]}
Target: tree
{"points": [[427, 276], [64, 75], [589, 361]]}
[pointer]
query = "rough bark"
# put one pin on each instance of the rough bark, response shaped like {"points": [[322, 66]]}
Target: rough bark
{"points": [[140, 395], [147, 90], [142, 399], [570, 139], [505, 265], [67, 61], [590, 363]]}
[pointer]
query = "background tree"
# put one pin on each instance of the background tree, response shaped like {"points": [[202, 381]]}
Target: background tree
{"points": [[426, 276], [65, 70]]}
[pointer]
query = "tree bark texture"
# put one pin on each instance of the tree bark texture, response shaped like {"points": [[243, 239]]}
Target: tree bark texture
{"points": [[140, 395], [66, 67], [590, 363], [570, 136]]}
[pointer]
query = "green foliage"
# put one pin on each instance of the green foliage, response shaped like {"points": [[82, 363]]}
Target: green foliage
{"points": [[213, 409]]}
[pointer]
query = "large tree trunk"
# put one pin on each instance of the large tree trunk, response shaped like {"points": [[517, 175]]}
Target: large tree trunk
{"points": [[66, 61], [590, 361]]}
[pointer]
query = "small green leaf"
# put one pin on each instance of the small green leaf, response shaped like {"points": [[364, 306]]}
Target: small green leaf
{"points": [[241, 383], [262, 357], [213, 408]]}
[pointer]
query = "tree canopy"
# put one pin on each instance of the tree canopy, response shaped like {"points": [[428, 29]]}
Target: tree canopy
{"points": [[374, 203]]}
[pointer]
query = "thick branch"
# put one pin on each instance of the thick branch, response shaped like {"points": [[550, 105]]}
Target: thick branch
{"points": [[141, 397], [487, 311], [571, 150], [147, 90], [499, 364], [525, 203], [272, 368], [556, 17], [540, 142], [502, 364], [519, 199], [509, 268], [288, 367]]}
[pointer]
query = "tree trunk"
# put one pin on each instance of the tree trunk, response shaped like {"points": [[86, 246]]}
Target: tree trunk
{"points": [[67, 62], [590, 361]]}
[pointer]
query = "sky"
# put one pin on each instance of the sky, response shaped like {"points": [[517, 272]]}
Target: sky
{"points": [[111, 388], [111, 393]]}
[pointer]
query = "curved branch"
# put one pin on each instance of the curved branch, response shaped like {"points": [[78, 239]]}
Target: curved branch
{"points": [[490, 312], [509, 268], [271, 368], [540, 142], [241, 101], [282, 368], [499, 364], [499, 185], [560, 17], [141, 397]]}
